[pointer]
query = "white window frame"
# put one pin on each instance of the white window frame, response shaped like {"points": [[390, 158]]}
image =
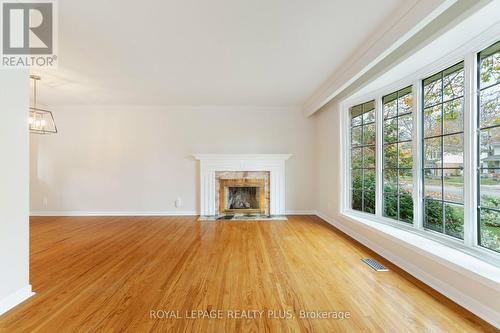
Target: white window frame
{"points": [[467, 54]]}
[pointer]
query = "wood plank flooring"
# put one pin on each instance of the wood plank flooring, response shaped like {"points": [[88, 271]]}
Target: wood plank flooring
{"points": [[106, 274]]}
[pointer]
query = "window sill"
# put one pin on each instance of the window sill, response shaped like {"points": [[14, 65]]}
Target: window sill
{"points": [[448, 252]]}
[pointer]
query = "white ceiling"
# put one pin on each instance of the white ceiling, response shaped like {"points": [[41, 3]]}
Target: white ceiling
{"points": [[475, 31], [196, 52]]}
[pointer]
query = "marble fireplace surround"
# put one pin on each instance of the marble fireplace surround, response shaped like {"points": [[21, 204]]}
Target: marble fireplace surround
{"points": [[256, 177], [213, 165]]}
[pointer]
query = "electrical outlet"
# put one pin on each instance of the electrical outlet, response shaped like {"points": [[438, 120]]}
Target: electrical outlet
{"points": [[178, 203], [45, 202]]}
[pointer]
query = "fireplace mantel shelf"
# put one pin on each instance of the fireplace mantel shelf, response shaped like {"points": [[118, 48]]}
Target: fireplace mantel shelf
{"points": [[212, 163], [242, 156]]}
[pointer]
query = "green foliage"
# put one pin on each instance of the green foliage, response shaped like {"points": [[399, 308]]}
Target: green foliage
{"points": [[363, 194], [406, 207], [453, 218], [434, 215], [490, 218], [490, 239], [391, 203]]}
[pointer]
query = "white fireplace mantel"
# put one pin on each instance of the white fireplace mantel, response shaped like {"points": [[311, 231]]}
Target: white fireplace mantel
{"points": [[211, 163]]}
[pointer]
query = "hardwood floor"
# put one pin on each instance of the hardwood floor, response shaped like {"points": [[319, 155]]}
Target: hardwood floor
{"points": [[106, 274]]}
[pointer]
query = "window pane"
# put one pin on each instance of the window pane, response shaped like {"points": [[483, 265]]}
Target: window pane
{"points": [[391, 181], [406, 208], [369, 202], [405, 127], [357, 111], [369, 117], [356, 121], [356, 134], [453, 185], [432, 153], [490, 65], [363, 157], [490, 106], [453, 85], [369, 180], [489, 233], [357, 179], [405, 181], [490, 188], [391, 156], [405, 155], [432, 90], [357, 158], [390, 109], [433, 184], [453, 154], [432, 121], [356, 200], [443, 149], [391, 206], [369, 157], [433, 215], [454, 220], [453, 116], [369, 134], [369, 106], [397, 151], [405, 103], [490, 148], [391, 130]]}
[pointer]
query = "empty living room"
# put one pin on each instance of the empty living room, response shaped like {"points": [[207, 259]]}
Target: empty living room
{"points": [[250, 166]]}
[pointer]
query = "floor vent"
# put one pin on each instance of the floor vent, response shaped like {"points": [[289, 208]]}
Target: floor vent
{"points": [[375, 265]]}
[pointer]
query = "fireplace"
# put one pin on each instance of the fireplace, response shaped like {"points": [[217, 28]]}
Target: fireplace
{"points": [[241, 186], [242, 192], [245, 196]]}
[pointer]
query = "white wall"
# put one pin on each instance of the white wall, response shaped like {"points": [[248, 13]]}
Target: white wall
{"points": [[139, 159], [450, 280], [14, 173]]}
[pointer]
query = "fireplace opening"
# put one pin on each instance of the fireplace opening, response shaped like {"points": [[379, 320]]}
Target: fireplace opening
{"points": [[242, 196]]}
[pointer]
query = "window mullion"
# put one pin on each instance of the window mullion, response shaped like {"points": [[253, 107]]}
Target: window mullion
{"points": [[470, 150], [379, 148], [346, 148], [417, 156]]}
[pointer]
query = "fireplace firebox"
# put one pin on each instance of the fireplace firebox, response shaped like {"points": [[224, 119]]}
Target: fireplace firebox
{"points": [[245, 196]]}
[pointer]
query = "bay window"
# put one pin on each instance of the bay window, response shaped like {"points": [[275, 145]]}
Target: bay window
{"points": [[422, 173]]}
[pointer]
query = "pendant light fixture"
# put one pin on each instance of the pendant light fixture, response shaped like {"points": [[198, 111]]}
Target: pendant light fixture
{"points": [[40, 121]]}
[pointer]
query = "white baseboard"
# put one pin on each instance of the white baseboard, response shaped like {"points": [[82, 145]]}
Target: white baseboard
{"points": [[441, 286], [300, 212], [15, 298], [109, 213], [143, 213]]}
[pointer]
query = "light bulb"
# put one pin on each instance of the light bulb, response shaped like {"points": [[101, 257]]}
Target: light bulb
{"points": [[31, 120], [43, 123]]}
